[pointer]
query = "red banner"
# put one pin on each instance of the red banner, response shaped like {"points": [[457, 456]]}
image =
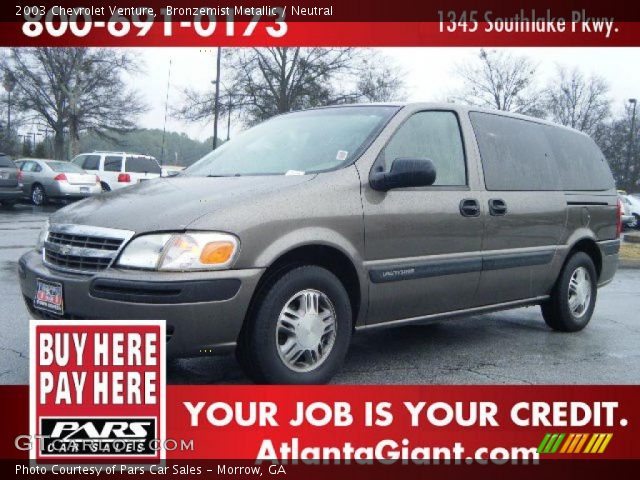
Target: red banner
{"points": [[314, 23], [475, 424], [390, 34]]}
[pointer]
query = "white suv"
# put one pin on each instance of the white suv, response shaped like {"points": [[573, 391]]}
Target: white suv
{"points": [[632, 206], [119, 169]]}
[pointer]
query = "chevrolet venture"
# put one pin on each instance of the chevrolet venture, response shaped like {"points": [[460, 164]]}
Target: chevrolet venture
{"points": [[311, 225]]}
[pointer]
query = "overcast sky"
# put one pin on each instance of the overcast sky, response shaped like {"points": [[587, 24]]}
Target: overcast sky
{"points": [[429, 74]]}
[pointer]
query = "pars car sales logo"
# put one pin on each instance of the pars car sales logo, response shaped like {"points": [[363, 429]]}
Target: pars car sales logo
{"points": [[97, 390]]}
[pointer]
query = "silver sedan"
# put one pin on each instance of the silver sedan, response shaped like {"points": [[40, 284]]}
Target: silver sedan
{"points": [[45, 180]]}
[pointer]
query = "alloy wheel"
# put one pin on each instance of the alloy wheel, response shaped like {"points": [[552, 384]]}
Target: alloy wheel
{"points": [[37, 195], [306, 330], [579, 292]]}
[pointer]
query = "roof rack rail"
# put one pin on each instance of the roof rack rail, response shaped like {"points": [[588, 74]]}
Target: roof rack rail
{"points": [[132, 154]]}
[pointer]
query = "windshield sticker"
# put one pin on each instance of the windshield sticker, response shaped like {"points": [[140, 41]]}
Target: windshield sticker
{"points": [[342, 155]]}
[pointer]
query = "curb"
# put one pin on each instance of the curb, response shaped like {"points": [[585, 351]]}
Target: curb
{"points": [[632, 238], [629, 264]]}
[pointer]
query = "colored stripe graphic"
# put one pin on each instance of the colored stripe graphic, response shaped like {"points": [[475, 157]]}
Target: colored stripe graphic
{"points": [[573, 443], [581, 442], [543, 443], [592, 440], [603, 447], [550, 443], [568, 443], [556, 445]]}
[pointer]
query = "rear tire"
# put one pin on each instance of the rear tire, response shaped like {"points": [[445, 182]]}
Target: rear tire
{"points": [[635, 224], [38, 195], [105, 187], [573, 297], [305, 314]]}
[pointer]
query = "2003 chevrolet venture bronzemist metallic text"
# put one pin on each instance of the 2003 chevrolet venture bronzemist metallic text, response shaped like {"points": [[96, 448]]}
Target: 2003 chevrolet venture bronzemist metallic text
{"points": [[314, 224]]}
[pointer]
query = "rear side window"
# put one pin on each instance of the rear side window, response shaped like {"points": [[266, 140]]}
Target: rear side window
{"points": [[581, 164], [141, 165], [31, 167], [91, 162], [6, 162], [112, 163], [434, 135], [516, 154]]}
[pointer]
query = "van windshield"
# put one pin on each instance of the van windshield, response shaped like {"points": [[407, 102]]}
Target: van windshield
{"points": [[303, 142]]}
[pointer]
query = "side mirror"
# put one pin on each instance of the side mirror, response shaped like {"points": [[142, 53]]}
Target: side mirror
{"points": [[171, 173], [405, 172]]}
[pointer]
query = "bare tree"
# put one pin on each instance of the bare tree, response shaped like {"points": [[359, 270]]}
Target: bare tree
{"points": [[619, 143], [268, 81], [74, 90], [378, 81], [577, 101], [501, 81]]}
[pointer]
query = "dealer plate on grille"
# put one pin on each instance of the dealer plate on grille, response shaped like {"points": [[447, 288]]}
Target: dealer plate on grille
{"points": [[49, 297]]}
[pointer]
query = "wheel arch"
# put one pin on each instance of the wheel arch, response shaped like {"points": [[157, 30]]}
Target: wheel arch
{"points": [[334, 259], [589, 246]]}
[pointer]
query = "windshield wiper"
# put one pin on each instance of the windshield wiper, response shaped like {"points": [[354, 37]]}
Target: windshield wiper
{"points": [[224, 176]]}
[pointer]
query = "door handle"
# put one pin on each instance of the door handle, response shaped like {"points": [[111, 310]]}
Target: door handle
{"points": [[497, 207], [469, 207]]}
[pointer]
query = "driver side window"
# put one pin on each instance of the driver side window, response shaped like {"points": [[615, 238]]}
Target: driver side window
{"points": [[434, 135]]}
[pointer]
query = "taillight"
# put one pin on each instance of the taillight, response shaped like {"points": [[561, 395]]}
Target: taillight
{"points": [[61, 177], [97, 179], [619, 219], [124, 178], [20, 176]]}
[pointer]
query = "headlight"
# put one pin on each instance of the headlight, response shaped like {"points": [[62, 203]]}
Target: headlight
{"points": [[180, 251], [42, 236]]}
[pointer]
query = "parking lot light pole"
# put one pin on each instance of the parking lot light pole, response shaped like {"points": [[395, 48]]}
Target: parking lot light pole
{"points": [[630, 149], [229, 108], [216, 112]]}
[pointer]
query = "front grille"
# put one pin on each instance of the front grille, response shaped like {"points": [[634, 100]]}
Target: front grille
{"points": [[84, 241], [73, 262], [83, 249]]}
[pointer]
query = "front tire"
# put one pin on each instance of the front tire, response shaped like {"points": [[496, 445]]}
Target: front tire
{"points": [[573, 298], [635, 223], [300, 329], [8, 203]]}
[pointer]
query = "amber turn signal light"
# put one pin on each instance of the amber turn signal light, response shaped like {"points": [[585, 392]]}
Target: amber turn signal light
{"points": [[215, 253]]}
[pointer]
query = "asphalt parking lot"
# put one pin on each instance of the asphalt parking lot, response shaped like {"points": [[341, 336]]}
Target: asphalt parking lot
{"points": [[512, 347]]}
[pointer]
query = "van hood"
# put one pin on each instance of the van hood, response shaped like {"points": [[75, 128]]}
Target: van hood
{"points": [[171, 203]]}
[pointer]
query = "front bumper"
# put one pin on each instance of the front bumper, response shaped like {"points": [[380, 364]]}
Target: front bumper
{"points": [[204, 311]]}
